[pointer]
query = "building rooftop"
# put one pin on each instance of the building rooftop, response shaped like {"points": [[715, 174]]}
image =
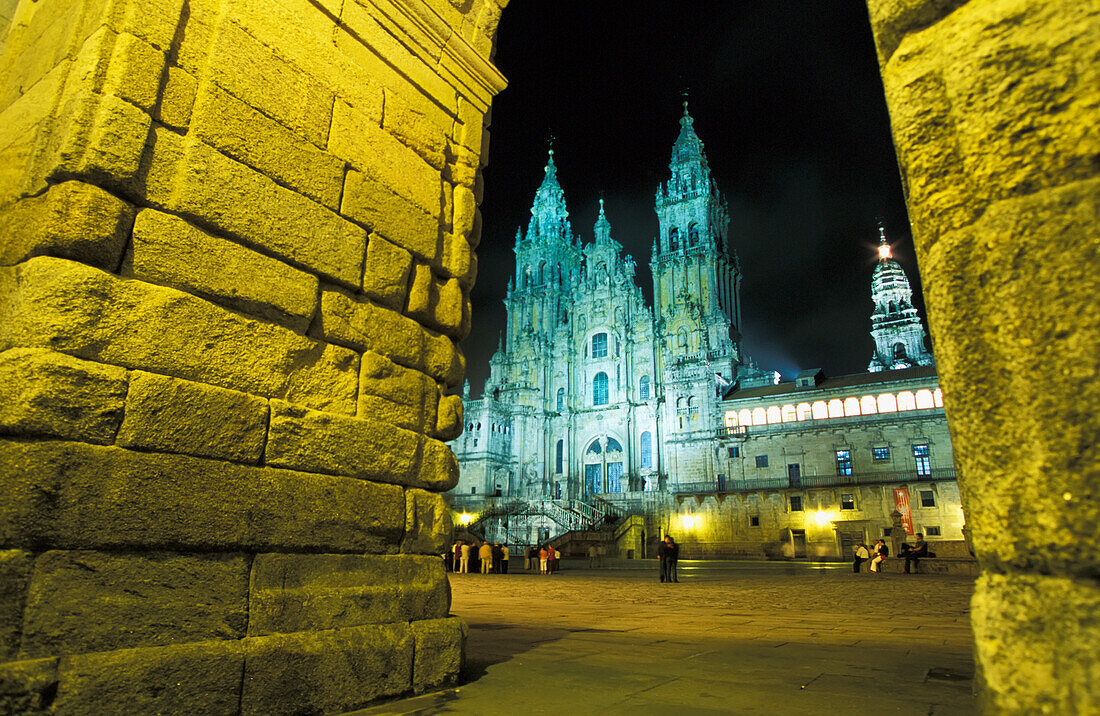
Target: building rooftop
{"points": [[825, 383]]}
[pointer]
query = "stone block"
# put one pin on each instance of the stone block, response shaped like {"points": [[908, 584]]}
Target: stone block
{"points": [[72, 220], [354, 321], [326, 672], [83, 601], [104, 139], [177, 98], [458, 261], [20, 137], [97, 316], [428, 526], [311, 592], [155, 21], [418, 126], [314, 441], [440, 648], [199, 678], [465, 208], [15, 574], [394, 394], [169, 251], [172, 415], [438, 304], [1035, 638], [449, 421], [375, 204], [28, 687], [244, 133], [52, 394], [77, 496], [193, 179], [135, 71], [892, 20], [386, 272]]}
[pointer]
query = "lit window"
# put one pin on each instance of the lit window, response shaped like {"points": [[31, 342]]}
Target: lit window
{"points": [[804, 411], [932, 531], [887, 403], [643, 387], [731, 419], [922, 455], [820, 410], [761, 460], [599, 345], [789, 414], [851, 406], [561, 399], [927, 498], [880, 454], [733, 451], [796, 503], [925, 399], [759, 417], [844, 462], [744, 417], [836, 408], [867, 405], [847, 502], [645, 446], [599, 389], [906, 401], [774, 416], [937, 397]]}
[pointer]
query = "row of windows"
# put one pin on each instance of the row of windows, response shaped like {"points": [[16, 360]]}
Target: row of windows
{"points": [[674, 234], [837, 408], [922, 457], [645, 451], [600, 391], [493, 427], [848, 501]]}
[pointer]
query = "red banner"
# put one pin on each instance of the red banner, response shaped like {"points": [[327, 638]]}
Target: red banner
{"points": [[901, 502]]}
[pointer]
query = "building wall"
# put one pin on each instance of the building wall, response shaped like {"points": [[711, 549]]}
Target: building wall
{"points": [[236, 263]]}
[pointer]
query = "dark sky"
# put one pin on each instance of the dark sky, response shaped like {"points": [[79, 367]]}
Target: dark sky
{"points": [[787, 99]]}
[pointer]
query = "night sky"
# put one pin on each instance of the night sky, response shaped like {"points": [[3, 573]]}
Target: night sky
{"points": [[787, 99]]}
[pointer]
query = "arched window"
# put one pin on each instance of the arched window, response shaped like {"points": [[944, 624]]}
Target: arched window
{"points": [[925, 399], [693, 235], [820, 410], [851, 406], [643, 387], [790, 414], [937, 397], [561, 399], [614, 457], [744, 417], [887, 403], [759, 416], [559, 456], [836, 408], [673, 239], [899, 351], [805, 412], [774, 416], [599, 345], [593, 468], [867, 405], [542, 273], [599, 389], [891, 307], [730, 418], [907, 401], [682, 340], [645, 447]]}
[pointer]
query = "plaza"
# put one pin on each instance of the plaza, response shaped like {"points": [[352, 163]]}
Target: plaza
{"points": [[731, 637]]}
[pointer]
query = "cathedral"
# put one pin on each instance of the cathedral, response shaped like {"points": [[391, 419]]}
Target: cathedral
{"points": [[597, 405]]}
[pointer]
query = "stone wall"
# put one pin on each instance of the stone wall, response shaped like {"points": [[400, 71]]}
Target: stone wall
{"points": [[237, 253], [995, 107]]}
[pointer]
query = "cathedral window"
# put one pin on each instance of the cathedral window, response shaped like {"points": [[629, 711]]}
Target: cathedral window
{"points": [[599, 345], [561, 399], [646, 449], [559, 456], [599, 389], [643, 387], [693, 235], [673, 239]]}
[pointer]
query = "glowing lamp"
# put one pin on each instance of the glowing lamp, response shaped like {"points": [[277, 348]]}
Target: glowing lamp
{"points": [[688, 521], [465, 518], [884, 251], [823, 517]]}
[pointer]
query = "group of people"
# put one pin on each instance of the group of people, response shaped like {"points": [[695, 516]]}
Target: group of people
{"points": [[878, 552], [488, 558], [545, 558], [668, 552]]}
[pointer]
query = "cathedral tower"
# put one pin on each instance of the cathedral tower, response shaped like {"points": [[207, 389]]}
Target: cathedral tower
{"points": [[895, 325]]}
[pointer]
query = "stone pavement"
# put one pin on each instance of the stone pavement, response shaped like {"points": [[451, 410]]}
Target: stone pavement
{"points": [[748, 637]]}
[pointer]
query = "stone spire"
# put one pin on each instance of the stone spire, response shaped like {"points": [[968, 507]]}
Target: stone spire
{"points": [[602, 229], [895, 324], [549, 217]]}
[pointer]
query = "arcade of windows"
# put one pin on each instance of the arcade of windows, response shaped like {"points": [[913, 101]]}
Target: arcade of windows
{"points": [[837, 408]]}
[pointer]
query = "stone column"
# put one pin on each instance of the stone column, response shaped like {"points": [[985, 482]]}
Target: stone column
{"points": [[237, 255], [995, 106]]}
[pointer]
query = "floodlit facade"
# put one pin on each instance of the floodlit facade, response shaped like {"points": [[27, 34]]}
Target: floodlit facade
{"points": [[598, 405]]}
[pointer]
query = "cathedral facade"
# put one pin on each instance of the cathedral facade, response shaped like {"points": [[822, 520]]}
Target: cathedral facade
{"points": [[598, 406]]}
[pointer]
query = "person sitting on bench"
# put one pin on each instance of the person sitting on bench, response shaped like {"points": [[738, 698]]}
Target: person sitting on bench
{"points": [[913, 553]]}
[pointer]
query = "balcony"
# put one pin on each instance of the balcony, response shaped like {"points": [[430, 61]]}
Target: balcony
{"points": [[813, 481]]}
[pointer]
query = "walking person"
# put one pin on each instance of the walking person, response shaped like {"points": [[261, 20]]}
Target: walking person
{"points": [[861, 555], [464, 551], [504, 559], [485, 554]]}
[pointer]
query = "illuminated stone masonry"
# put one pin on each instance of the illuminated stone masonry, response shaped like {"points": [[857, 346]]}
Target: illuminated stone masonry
{"points": [[237, 253], [598, 406]]}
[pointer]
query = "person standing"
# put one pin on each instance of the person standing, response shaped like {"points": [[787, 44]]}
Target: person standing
{"points": [[861, 555], [543, 559], [464, 567], [496, 557], [456, 557], [675, 557], [504, 559], [485, 554], [593, 556], [551, 559], [664, 558]]}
